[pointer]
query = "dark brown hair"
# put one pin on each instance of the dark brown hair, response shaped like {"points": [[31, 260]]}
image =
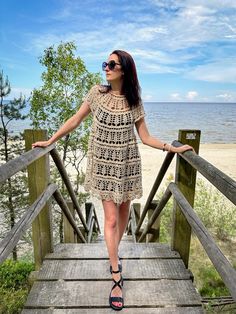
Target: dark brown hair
{"points": [[130, 87]]}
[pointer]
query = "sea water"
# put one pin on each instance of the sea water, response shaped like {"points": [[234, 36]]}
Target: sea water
{"points": [[217, 121]]}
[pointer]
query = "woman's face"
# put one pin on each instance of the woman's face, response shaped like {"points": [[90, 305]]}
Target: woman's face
{"points": [[116, 74]]}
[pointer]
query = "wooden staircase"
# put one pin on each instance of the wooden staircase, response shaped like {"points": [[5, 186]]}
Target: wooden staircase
{"points": [[76, 279]]}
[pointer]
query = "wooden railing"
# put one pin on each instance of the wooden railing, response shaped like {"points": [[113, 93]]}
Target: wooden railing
{"points": [[185, 219], [41, 191]]}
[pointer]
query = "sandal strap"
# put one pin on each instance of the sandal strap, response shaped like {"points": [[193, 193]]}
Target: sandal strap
{"points": [[115, 271], [117, 299], [117, 283]]}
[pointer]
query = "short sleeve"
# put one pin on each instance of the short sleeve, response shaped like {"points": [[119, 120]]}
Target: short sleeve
{"points": [[91, 97], [138, 112]]}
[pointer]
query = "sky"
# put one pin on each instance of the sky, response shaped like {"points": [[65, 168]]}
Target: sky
{"points": [[183, 50]]}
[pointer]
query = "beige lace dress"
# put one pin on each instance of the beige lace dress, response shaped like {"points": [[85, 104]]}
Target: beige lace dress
{"points": [[113, 159]]}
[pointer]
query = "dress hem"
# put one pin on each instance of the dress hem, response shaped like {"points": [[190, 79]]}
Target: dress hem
{"points": [[111, 197]]}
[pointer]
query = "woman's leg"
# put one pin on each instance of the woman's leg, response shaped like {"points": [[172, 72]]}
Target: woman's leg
{"points": [[111, 233], [123, 218]]}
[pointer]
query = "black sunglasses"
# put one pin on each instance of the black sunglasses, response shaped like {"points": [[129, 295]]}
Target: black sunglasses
{"points": [[111, 65]]}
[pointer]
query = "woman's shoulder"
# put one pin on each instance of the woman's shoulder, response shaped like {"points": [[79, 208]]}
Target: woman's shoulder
{"points": [[99, 89], [103, 88]]}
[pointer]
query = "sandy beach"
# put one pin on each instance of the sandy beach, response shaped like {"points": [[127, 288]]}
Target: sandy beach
{"points": [[222, 156]]}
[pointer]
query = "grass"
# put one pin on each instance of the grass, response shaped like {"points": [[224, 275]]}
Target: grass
{"points": [[14, 285]]}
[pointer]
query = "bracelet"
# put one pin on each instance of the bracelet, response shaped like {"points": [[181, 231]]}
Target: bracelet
{"points": [[164, 147]]}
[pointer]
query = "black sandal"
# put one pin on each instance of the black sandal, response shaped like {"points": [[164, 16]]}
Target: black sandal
{"points": [[119, 266], [116, 299]]}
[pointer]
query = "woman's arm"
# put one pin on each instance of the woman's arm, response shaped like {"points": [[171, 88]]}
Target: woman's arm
{"points": [[67, 127], [149, 140]]}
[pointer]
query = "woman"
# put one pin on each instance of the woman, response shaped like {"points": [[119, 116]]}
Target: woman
{"points": [[114, 165]]}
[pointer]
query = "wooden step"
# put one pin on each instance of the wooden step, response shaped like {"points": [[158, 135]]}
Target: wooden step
{"points": [[94, 294], [133, 269], [168, 310], [99, 251], [76, 279]]}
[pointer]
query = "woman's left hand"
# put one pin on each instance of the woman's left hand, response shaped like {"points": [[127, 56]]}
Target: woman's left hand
{"points": [[181, 149]]}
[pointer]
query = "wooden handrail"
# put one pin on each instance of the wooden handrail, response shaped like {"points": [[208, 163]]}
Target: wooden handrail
{"points": [[91, 220], [66, 180], [13, 236], [19, 163], [166, 163], [220, 262], [222, 265], [61, 202], [219, 179], [166, 196]]}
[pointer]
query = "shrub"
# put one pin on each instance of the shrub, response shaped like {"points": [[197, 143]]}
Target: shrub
{"points": [[14, 285]]}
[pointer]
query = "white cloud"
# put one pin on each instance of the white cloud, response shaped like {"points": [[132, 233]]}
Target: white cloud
{"points": [[226, 97], [175, 97], [218, 71], [191, 95]]}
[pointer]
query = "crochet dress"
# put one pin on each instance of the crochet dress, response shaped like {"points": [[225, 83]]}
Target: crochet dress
{"points": [[113, 160]]}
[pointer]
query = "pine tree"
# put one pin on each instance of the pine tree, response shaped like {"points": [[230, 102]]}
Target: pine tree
{"points": [[10, 146]]}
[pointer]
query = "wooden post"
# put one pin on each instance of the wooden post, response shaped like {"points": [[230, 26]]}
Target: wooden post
{"points": [[69, 234], [185, 178], [154, 235], [38, 180], [137, 211]]}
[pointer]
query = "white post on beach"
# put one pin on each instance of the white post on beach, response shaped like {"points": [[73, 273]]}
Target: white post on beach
{"points": [[185, 178]]}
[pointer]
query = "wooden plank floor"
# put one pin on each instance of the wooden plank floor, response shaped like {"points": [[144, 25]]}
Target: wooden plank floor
{"points": [[76, 279]]}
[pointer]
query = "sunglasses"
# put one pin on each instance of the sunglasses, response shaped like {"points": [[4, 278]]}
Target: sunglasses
{"points": [[111, 65]]}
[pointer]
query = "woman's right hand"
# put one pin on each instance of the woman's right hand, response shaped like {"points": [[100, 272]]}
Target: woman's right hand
{"points": [[41, 144]]}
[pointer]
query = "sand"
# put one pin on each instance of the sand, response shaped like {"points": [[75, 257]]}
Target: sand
{"points": [[222, 156]]}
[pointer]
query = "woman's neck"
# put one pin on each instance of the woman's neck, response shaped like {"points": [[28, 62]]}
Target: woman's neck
{"points": [[116, 88]]}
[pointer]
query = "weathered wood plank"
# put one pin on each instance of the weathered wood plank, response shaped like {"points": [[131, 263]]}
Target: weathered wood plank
{"points": [[62, 203], [219, 179], [13, 236], [56, 158], [169, 310], [95, 293], [185, 178], [221, 263], [159, 178], [98, 269], [99, 251], [19, 163], [38, 180]]}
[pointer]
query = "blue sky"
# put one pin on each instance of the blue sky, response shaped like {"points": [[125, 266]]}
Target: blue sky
{"points": [[184, 50]]}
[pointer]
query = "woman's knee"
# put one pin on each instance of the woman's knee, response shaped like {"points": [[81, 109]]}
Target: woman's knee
{"points": [[111, 222]]}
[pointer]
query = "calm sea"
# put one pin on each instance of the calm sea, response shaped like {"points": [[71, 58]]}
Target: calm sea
{"points": [[217, 121]]}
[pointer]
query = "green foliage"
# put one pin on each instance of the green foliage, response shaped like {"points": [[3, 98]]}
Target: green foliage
{"points": [[213, 286], [65, 83], [14, 285], [14, 274], [217, 213]]}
